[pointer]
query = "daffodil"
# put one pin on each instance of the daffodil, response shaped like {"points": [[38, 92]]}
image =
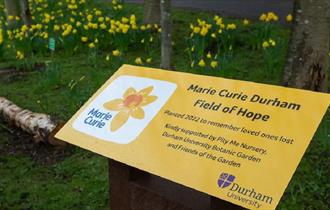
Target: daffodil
{"points": [[56, 27], [265, 44], [84, 39], [209, 55], [103, 26], [107, 58], [116, 53], [91, 45], [19, 55], [138, 61], [131, 105], [289, 18], [272, 42], [192, 49], [263, 17], [246, 22], [196, 30], [149, 60], [214, 64], [204, 31], [124, 20], [231, 26], [201, 63]]}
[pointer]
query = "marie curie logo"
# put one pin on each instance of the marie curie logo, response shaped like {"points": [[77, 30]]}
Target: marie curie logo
{"points": [[124, 108], [225, 180]]}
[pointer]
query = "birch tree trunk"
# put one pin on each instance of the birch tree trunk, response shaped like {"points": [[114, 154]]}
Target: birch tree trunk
{"points": [[25, 12], [41, 126], [307, 61], [151, 11], [12, 9], [166, 25]]}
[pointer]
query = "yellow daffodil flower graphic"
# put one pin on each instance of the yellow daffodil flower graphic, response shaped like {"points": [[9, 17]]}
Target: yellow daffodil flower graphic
{"points": [[129, 106]]}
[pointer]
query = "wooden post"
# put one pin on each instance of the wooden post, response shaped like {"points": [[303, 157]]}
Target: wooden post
{"points": [[133, 189]]}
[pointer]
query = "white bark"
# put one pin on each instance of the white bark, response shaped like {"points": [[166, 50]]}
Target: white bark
{"points": [[41, 126]]}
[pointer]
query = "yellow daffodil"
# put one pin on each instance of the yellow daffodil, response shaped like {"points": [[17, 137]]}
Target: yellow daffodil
{"points": [[272, 42], [149, 60], [265, 44], [192, 49], [263, 17], [56, 28], [204, 31], [196, 30], [89, 17], [209, 55], [98, 13], [214, 64], [91, 45], [231, 26], [67, 31], [103, 26], [131, 105], [19, 55], [124, 20], [107, 58], [289, 18], [116, 53], [201, 63], [246, 22], [138, 61], [100, 19]]}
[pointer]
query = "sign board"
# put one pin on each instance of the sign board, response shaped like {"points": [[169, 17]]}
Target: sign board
{"points": [[52, 44], [235, 140]]}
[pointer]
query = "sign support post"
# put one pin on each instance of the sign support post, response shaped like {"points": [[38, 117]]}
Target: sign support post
{"points": [[133, 189]]}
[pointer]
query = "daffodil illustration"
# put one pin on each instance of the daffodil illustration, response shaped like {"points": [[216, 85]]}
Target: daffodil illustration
{"points": [[129, 106]]}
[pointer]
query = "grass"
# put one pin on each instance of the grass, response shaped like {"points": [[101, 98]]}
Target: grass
{"points": [[79, 181]]}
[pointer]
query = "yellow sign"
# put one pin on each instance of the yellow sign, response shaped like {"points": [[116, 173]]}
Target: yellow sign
{"points": [[235, 140]]}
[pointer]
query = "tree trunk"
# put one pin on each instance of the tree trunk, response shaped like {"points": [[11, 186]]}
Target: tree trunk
{"points": [[307, 61], [12, 9], [41, 126], [166, 25], [151, 11], [25, 12]]}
